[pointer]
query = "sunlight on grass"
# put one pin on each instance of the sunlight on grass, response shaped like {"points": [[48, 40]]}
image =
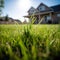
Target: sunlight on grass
{"points": [[25, 42]]}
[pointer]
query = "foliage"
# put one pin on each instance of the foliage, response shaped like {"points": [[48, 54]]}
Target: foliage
{"points": [[25, 42], [1, 6], [6, 18]]}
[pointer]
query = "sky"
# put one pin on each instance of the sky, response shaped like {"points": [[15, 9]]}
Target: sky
{"points": [[18, 8]]}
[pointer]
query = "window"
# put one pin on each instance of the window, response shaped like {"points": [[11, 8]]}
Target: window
{"points": [[32, 10], [58, 15], [48, 17], [42, 8]]}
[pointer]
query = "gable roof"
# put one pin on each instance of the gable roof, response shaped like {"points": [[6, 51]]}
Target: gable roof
{"points": [[56, 8], [35, 10], [49, 9], [39, 5], [31, 8]]}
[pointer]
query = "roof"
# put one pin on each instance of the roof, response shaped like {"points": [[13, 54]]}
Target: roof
{"points": [[31, 8], [56, 8]]}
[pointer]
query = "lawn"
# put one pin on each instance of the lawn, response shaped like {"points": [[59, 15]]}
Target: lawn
{"points": [[29, 42]]}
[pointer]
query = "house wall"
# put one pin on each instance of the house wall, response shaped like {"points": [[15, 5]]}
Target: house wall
{"points": [[56, 19], [45, 19]]}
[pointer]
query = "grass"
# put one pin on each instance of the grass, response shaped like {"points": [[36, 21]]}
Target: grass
{"points": [[26, 42]]}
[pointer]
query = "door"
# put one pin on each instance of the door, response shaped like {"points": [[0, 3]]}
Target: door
{"points": [[45, 18]]}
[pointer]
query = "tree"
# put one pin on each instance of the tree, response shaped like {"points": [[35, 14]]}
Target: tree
{"points": [[6, 18], [1, 6]]}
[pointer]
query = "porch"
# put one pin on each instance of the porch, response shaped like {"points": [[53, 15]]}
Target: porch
{"points": [[42, 17]]}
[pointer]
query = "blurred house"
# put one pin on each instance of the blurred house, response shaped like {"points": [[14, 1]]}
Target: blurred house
{"points": [[9, 21], [18, 21], [45, 14]]}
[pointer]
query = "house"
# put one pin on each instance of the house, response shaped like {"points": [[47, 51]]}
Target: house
{"points": [[18, 21], [9, 21], [45, 14]]}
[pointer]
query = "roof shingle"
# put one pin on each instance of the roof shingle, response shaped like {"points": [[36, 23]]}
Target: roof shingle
{"points": [[56, 8]]}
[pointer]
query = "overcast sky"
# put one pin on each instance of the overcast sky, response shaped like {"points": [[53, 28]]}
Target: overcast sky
{"points": [[18, 8]]}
